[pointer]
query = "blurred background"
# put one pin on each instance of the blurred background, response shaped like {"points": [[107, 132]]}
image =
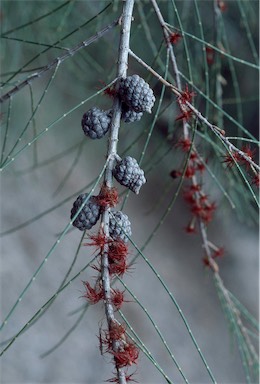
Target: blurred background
{"points": [[39, 186]]}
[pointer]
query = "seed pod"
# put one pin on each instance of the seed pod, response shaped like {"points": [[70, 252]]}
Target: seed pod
{"points": [[129, 115], [95, 123], [128, 173], [119, 226], [89, 214], [136, 93]]}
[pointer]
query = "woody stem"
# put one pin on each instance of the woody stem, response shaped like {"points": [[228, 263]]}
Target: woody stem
{"points": [[126, 19]]}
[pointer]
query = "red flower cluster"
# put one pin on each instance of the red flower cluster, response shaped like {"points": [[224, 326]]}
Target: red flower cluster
{"points": [[117, 254], [186, 96], [200, 206], [194, 162], [116, 342], [99, 241], [113, 253], [128, 355], [117, 332], [184, 144], [124, 351], [233, 157]]}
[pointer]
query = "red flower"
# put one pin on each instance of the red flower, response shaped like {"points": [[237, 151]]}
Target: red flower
{"points": [[195, 187], [205, 261], [248, 151], [197, 209], [98, 241], [256, 180], [107, 337], [190, 171], [184, 144], [210, 207], [231, 158], [108, 197], [186, 95], [117, 298], [185, 115], [210, 55], [118, 268], [203, 211], [93, 295], [127, 356], [189, 196], [203, 198], [222, 5], [117, 331], [219, 252], [117, 250], [110, 91], [174, 37], [200, 167], [193, 156], [128, 378], [190, 228]]}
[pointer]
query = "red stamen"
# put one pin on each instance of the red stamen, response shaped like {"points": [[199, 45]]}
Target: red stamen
{"points": [[200, 167], [93, 295], [190, 171], [118, 268], [219, 252], [126, 356], [186, 115], [174, 37], [230, 159], [117, 298], [184, 144], [256, 180], [186, 95], [190, 228], [98, 241], [110, 91], [108, 197], [117, 250], [210, 55]]}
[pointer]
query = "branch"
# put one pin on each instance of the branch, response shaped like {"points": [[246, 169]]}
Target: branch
{"points": [[220, 133], [125, 22], [71, 52]]}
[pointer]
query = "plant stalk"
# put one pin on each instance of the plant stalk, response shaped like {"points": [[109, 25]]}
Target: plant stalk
{"points": [[125, 23]]}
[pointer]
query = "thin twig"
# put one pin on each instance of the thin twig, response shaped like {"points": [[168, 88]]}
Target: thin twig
{"points": [[71, 52], [216, 130]]}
